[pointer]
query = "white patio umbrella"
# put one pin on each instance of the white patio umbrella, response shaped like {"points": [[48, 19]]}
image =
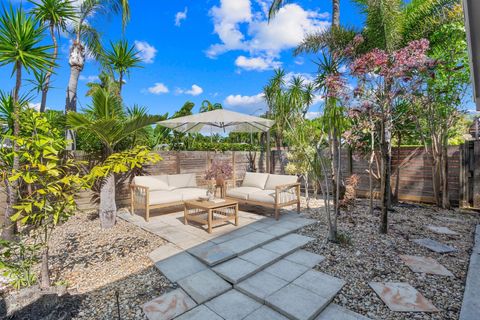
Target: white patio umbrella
{"points": [[219, 121]]}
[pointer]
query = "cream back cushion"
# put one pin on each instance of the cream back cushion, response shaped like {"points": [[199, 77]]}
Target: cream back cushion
{"points": [[184, 180], [278, 180], [152, 182], [256, 180]]}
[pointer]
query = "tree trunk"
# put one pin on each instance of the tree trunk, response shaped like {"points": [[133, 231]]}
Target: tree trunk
{"points": [[370, 182], [335, 13], [385, 177], [45, 273], [120, 84], [46, 85], [108, 207], [397, 171], [9, 226], [76, 61]]}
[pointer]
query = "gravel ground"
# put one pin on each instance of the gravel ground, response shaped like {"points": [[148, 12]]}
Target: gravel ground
{"points": [[368, 256], [97, 264]]}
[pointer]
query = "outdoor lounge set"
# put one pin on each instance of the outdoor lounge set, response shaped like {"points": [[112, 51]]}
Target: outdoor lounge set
{"points": [[263, 189]]}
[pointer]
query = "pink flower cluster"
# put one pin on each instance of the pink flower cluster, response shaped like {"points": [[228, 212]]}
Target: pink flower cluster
{"points": [[219, 168], [335, 86]]}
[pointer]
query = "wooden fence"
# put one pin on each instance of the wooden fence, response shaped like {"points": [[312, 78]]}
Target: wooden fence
{"points": [[415, 172]]}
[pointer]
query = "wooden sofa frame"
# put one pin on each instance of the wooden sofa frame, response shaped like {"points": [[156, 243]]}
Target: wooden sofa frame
{"points": [[147, 207], [277, 205]]}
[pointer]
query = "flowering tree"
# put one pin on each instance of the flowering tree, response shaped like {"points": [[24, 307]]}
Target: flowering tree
{"points": [[385, 81]]}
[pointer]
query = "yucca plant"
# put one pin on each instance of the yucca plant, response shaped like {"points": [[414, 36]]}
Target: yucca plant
{"points": [[20, 46]]}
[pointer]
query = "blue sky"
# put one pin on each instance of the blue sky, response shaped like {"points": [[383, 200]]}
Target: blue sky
{"points": [[220, 50]]}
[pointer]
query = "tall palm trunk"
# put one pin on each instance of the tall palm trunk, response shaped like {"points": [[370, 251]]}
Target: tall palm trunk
{"points": [[76, 61], [108, 207], [9, 227], [46, 85], [335, 13], [120, 84]]}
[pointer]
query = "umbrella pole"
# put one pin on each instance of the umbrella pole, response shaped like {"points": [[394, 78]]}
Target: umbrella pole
{"points": [[268, 152]]}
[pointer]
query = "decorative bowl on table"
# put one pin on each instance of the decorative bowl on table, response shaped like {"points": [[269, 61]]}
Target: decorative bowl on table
{"points": [[204, 198]]}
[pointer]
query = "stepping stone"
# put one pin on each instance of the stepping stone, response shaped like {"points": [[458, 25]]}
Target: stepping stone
{"points": [[199, 248], [199, 313], [425, 265], [204, 285], [434, 245], [265, 313], [215, 254], [286, 270], [334, 311], [258, 238], [296, 302], [261, 257], [402, 297], [235, 270], [277, 231], [261, 285], [305, 258], [164, 252], [287, 244], [320, 283], [233, 235], [233, 305], [442, 230], [168, 306], [179, 266], [239, 245]]}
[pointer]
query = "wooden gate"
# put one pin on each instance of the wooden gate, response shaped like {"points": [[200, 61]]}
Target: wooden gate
{"points": [[470, 174]]}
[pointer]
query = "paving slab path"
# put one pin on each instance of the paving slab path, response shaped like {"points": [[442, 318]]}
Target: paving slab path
{"points": [[434, 245], [256, 271]]}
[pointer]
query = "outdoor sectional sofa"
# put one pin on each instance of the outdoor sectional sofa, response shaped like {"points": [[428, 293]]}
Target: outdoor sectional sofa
{"points": [[161, 191], [267, 190]]}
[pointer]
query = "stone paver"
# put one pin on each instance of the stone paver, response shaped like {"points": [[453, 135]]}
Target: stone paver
{"points": [[336, 312], [320, 283], [277, 231], [261, 257], [233, 305], [305, 258], [296, 302], [199, 313], [287, 244], [233, 235], [442, 230], [168, 306], [471, 297], [261, 285], [204, 285], [434, 245], [265, 313], [235, 270], [179, 266], [239, 245], [402, 297], [425, 265], [258, 238], [215, 254], [286, 270], [164, 252]]}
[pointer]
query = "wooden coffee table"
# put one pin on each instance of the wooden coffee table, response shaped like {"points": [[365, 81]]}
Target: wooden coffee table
{"points": [[211, 213]]}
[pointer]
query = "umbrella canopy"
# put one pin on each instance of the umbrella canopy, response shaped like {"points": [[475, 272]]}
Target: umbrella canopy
{"points": [[218, 122]]}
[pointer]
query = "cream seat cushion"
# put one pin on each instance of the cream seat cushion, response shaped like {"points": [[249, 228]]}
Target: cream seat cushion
{"points": [[278, 180], [161, 197], [268, 196], [153, 183], [242, 193], [184, 180], [255, 180], [190, 193]]}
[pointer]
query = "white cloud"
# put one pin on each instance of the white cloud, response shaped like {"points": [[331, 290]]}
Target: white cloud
{"points": [[256, 63], [146, 52], [35, 106], [181, 15], [307, 78], [248, 104], [89, 78], [158, 88], [238, 28], [194, 91]]}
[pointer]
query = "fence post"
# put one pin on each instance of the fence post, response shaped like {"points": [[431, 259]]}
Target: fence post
{"points": [[462, 200]]}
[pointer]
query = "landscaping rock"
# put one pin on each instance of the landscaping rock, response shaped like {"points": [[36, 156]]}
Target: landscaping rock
{"points": [[434, 245], [168, 306]]}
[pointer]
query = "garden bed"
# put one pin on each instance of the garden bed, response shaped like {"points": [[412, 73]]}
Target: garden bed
{"points": [[97, 264], [369, 256]]}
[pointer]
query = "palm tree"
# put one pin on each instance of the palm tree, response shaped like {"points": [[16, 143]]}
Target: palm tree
{"points": [[85, 35], [277, 4], [20, 38], [120, 59], [107, 120], [54, 14], [208, 106]]}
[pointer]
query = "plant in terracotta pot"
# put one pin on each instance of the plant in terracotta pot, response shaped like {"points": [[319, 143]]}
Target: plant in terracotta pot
{"points": [[219, 170]]}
